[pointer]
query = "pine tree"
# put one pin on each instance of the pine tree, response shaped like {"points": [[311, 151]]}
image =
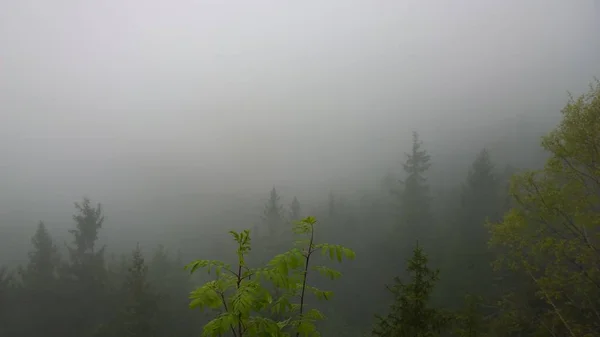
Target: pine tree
{"points": [[273, 214], [138, 314], [414, 198], [480, 192], [8, 303], [480, 202], [86, 275], [410, 314], [44, 261], [140, 310], [40, 284], [173, 284], [295, 209], [86, 262]]}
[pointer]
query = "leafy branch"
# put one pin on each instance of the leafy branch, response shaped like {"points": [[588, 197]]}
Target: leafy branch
{"points": [[243, 299]]}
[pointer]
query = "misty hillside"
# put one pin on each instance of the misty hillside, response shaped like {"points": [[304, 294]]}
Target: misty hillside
{"points": [[260, 168]]}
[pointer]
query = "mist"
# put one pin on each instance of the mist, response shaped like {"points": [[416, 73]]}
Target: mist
{"points": [[179, 117]]}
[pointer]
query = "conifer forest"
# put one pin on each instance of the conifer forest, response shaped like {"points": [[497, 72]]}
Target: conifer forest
{"points": [[334, 168]]}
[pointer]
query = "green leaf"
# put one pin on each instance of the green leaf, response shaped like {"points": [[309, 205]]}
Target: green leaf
{"points": [[328, 272]]}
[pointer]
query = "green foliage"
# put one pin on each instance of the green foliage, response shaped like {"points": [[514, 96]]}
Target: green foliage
{"points": [[410, 315], [241, 295], [87, 263], [88, 222], [552, 235], [414, 198], [273, 213], [137, 315], [481, 199], [469, 322], [44, 261]]}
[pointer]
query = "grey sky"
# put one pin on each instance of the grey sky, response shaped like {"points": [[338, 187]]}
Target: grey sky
{"points": [[280, 90]]}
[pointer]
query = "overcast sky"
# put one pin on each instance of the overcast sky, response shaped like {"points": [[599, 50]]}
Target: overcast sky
{"points": [[278, 89]]}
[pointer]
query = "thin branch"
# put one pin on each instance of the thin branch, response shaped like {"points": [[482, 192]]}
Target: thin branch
{"points": [[310, 250]]}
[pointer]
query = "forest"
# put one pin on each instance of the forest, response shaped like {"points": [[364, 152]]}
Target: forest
{"points": [[504, 251]]}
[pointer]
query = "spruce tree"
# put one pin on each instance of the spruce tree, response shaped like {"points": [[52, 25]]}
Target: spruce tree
{"points": [[480, 192], [8, 304], [44, 260], [295, 209], [273, 214], [410, 315], [137, 316], [86, 275], [414, 198], [173, 284], [86, 262], [139, 313], [480, 201], [41, 285]]}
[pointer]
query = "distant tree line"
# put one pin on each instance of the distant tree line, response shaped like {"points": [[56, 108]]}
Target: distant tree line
{"points": [[511, 253]]}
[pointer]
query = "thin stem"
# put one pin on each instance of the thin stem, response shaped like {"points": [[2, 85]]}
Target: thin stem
{"points": [[227, 310], [308, 254], [239, 281], [549, 300]]}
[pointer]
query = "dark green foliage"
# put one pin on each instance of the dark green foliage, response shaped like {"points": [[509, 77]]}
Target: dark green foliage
{"points": [[550, 237], [137, 316], [481, 200], [40, 283], [88, 222], [8, 297], [173, 285], [469, 321], [273, 214], [410, 315], [414, 197], [85, 278], [139, 312], [87, 263], [44, 261]]}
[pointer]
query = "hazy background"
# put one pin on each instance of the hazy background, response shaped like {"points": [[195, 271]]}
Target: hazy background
{"points": [[169, 111]]}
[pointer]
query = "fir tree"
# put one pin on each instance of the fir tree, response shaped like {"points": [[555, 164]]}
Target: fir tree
{"points": [[410, 314], [480, 192], [86, 262], [86, 274], [272, 215], [8, 304], [414, 198], [295, 209], [87, 224], [138, 314], [173, 284], [480, 201], [44, 260], [40, 285]]}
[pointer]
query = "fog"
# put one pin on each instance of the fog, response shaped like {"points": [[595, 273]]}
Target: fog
{"points": [[132, 101], [171, 112]]}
